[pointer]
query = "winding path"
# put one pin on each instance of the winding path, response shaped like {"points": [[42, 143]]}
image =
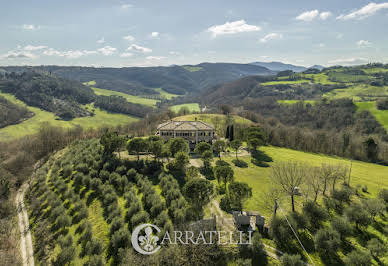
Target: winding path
{"points": [[26, 247]]}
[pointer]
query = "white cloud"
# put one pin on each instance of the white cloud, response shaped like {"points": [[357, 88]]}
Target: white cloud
{"points": [[325, 15], [34, 48], [363, 43], [138, 48], [129, 38], [126, 6], [232, 28], [51, 52], [155, 57], [126, 55], [18, 55], [348, 61], [313, 14], [271, 36], [174, 53], [366, 11], [107, 50], [30, 27], [155, 34], [88, 52], [308, 15], [71, 54], [321, 45], [102, 40]]}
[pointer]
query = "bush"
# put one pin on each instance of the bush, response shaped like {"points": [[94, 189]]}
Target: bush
{"points": [[292, 260], [314, 213], [382, 104], [342, 226], [240, 163], [225, 204], [358, 258], [327, 240], [116, 224], [139, 218]]}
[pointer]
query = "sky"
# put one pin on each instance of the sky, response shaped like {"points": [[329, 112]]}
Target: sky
{"points": [[125, 33]]}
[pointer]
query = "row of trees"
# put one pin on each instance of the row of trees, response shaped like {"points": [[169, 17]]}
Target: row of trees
{"points": [[118, 104]]}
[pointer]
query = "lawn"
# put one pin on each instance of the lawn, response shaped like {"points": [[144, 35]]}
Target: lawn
{"points": [[32, 125], [381, 115], [128, 97], [343, 77], [366, 174], [193, 107], [209, 118], [320, 78]]}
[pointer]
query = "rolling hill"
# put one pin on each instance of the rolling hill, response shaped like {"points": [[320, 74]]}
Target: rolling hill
{"points": [[142, 80]]}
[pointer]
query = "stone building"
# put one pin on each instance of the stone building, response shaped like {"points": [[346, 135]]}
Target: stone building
{"points": [[192, 131]]}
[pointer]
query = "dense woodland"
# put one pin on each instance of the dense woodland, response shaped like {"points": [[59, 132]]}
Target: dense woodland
{"points": [[12, 113], [50, 93], [118, 104]]}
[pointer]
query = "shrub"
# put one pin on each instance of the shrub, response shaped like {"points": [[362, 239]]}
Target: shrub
{"points": [[342, 226], [376, 248], [225, 204], [116, 224], [357, 214], [139, 218], [358, 258], [83, 168], [314, 213], [292, 260], [133, 209], [327, 240]]}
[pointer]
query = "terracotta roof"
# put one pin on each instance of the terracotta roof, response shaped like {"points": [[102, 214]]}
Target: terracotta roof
{"points": [[185, 125]]}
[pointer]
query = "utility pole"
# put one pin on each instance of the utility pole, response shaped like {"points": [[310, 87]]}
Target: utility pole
{"points": [[350, 171], [276, 207]]}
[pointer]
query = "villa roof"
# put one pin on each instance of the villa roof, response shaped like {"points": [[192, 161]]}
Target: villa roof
{"points": [[185, 125]]}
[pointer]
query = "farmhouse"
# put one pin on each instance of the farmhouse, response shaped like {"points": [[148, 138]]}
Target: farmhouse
{"points": [[192, 131]]}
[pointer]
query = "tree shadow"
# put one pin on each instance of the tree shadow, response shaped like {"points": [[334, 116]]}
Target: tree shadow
{"points": [[260, 159], [91, 197]]}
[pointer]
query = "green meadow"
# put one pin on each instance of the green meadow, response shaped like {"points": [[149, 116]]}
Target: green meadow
{"points": [[192, 107], [312, 102], [166, 94], [381, 115], [128, 97], [192, 68], [299, 81], [32, 125]]}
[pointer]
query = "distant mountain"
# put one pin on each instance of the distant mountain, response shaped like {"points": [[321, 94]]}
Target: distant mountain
{"points": [[319, 67], [143, 80], [279, 66]]}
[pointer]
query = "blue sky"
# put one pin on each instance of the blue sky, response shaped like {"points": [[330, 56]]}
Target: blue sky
{"points": [[145, 33]]}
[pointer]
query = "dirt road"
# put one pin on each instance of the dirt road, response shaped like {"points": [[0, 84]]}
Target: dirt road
{"points": [[26, 247]]}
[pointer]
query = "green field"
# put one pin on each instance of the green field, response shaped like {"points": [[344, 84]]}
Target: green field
{"points": [[375, 70], [128, 97], [210, 118], [320, 78], [381, 115], [373, 176], [312, 102], [193, 107], [357, 92], [31, 126], [343, 77], [166, 94]]}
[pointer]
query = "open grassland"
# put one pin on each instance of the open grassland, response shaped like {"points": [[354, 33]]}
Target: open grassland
{"points": [[320, 78], [209, 118], [343, 77], [375, 70], [312, 102], [193, 107], [358, 92], [371, 175], [165, 94], [128, 97], [381, 115], [32, 125]]}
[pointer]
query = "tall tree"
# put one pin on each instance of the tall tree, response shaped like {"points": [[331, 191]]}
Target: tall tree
{"points": [[288, 176], [235, 145], [224, 173], [219, 146], [178, 144], [201, 147], [199, 193], [238, 193], [137, 145]]}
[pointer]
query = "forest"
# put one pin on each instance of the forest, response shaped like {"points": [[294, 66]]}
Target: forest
{"points": [[12, 113]]}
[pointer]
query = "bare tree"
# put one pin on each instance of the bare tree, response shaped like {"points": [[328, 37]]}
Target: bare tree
{"points": [[313, 180], [326, 173], [289, 176], [340, 172]]}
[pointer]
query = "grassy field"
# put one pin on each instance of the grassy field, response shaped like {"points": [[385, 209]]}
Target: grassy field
{"points": [[128, 97], [375, 70], [373, 176], [320, 78], [193, 107], [166, 94], [209, 118], [31, 126], [358, 92], [381, 115], [312, 102]]}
